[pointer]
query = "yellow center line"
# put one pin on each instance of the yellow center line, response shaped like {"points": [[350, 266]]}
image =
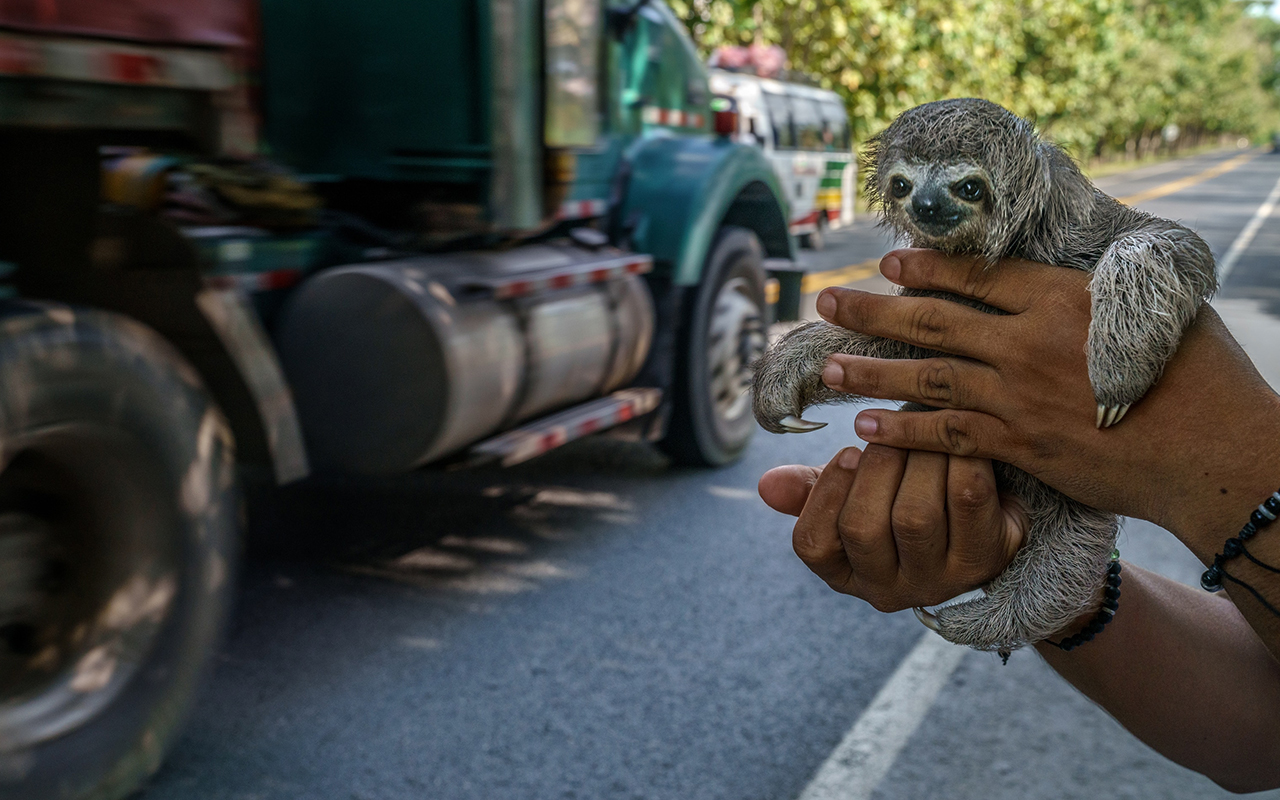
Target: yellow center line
{"points": [[1185, 183], [817, 281]]}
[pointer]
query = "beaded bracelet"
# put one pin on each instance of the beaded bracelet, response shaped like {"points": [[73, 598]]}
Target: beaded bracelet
{"points": [[1110, 603], [1261, 517]]}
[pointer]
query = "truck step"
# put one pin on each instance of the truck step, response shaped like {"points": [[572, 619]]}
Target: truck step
{"points": [[548, 433]]}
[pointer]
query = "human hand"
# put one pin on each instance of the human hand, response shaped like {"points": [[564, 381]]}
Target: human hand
{"points": [[897, 528], [1194, 455]]}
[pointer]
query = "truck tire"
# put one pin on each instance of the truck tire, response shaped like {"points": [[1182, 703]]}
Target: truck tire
{"points": [[118, 528], [722, 334]]}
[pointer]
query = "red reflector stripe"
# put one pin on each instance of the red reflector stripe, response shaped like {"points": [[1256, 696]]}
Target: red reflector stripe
{"points": [[18, 58], [561, 281], [134, 67], [280, 279]]}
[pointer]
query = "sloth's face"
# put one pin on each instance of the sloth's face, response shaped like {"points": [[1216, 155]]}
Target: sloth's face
{"points": [[942, 206]]}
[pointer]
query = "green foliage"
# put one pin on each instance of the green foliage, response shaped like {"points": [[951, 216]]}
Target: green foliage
{"points": [[1098, 76]]}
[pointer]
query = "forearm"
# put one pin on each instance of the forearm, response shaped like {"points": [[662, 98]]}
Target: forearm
{"points": [[1235, 470], [1183, 671]]}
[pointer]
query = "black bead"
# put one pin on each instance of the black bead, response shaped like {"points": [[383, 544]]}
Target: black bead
{"points": [[1114, 569], [1232, 548], [1211, 580], [1094, 628], [1118, 581], [1088, 637], [1272, 505], [1111, 592], [1111, 604], [1066, 645], [1248, 530], [1257, 518]]}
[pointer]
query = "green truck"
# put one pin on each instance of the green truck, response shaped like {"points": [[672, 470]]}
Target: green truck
{"points": [[293, 237]]}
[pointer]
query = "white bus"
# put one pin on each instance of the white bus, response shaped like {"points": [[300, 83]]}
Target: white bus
{"points": [[804, 131]]}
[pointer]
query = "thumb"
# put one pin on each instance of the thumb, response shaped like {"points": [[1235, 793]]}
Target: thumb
{"points": [[786, 489]]}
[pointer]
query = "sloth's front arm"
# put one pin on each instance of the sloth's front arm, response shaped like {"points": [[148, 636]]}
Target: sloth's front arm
{"points": [[1146, 289], [788, 377]]}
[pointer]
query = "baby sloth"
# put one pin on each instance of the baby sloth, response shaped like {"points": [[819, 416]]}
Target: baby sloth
{"points": [[968, 177]]}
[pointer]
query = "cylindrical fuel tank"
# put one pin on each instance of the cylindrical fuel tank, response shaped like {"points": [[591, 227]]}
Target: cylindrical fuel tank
{"points": [[390, 370]]}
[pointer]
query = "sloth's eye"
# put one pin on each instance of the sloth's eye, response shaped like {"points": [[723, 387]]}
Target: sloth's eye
{"points": [[970, 190], [900, 187]]}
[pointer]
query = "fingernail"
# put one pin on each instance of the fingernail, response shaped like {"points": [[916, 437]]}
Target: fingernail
{"points": [[826, 305], [849, 458], [891, 267], [833, 375], [865, 426]]}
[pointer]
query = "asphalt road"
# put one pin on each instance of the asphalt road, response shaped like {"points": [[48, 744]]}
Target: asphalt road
{"points": [[597, 624]]}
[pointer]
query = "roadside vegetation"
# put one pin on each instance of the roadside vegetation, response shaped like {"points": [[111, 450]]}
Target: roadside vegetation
{"points": [[1108, 79]]}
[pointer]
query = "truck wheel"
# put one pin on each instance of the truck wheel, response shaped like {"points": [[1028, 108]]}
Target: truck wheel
{"points": [[722, 335], [118, 526]]}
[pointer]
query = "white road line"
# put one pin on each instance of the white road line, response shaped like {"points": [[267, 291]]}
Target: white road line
{"points": [[1242, 241], [856, 767]]}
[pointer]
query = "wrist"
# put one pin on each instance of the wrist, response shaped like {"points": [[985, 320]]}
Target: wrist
{"points": [[1102, 608], [1219, 494]]}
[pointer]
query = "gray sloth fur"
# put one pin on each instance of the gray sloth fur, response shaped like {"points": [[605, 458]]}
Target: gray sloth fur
{"points": [[1149, 277]]}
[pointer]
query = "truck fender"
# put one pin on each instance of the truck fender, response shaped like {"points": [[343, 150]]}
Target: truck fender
{"points": [[680, 191], [233, 320]]}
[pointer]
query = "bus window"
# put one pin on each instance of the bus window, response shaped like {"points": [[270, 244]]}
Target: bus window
{"points": [[807, 118], [836, 127], [780, 120]]}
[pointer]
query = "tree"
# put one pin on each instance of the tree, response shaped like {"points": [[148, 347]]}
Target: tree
{"points": [[1097, 75]]}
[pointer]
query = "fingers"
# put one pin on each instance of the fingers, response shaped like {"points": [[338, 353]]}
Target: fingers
{"points": [[786, 489], [815, 537], [956, 432], [1011, 285], [939, 382], [865, 522], [919, 518], [985, 530], [928, 322]]}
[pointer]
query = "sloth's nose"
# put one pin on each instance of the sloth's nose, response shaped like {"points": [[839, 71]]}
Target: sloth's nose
{"points": [[930, 209]]}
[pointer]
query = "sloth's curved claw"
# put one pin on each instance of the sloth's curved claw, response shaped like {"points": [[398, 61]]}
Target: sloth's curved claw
{"points": [[1109, 415], [793, 424], [1124, 409], [927, 619]]}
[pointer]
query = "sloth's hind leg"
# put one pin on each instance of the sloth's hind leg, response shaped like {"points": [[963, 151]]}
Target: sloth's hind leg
{"points": [[788, 378], [1054, 579]]}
